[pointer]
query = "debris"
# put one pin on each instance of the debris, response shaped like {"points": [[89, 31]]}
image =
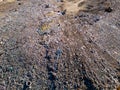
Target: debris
{"points": [[90, 41], [58, 25], [19, 3], [26, 85], [9, 69], [109, 9], [92, 51], [58, 53], [63, 12], [46, 5]]}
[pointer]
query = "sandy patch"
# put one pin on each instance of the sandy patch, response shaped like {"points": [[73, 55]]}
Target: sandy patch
{"points": [[10, 0], [72, 6], [5, 1]]}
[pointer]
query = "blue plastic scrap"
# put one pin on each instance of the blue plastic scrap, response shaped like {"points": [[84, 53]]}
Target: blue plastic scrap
{"points": [[58, 53]]}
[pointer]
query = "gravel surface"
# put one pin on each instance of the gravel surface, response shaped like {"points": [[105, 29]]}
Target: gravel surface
{"points": [[47, 45]]}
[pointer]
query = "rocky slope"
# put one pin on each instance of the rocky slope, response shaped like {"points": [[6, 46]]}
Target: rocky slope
{"points": [[59, 45]]}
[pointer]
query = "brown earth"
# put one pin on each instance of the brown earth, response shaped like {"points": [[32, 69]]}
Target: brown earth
{"points": [[59, 45]]}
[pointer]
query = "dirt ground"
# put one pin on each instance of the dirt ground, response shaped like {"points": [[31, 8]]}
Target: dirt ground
{"points": [[59, 45]]}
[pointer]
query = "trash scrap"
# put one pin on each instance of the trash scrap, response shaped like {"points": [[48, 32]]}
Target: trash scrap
{"points": [[58, 53]]}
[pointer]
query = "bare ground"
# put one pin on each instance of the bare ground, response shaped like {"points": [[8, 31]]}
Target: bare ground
{"points": [[55, 45]]}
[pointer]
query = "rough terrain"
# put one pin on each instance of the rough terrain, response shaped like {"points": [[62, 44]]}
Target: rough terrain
{"points": [[59, 45]]}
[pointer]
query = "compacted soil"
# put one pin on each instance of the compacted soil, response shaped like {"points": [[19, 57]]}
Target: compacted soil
{"points": [[59, 45]]}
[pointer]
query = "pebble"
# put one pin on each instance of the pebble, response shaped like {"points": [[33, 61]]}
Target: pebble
{"points": [[109, 9], [63, 12], [46, 5], [1, 43]]}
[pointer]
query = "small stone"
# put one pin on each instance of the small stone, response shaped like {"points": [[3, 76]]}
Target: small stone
{"points": [[19, 3], [46, 5], [75, 17], [1, 43], [90, 41], [63, 12], [109, 9], [92, 51]]}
